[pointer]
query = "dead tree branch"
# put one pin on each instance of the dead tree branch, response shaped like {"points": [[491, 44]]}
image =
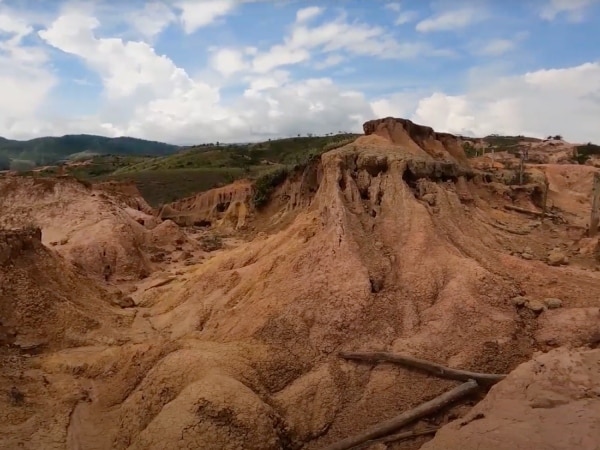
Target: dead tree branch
{"points": [[400, 436], [528, 211], [389, 426], [427, 366]]}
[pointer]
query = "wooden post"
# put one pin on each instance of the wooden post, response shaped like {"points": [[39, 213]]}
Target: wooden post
{"points": [[595, 217]]}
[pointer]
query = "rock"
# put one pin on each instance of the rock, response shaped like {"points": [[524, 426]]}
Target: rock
{"points": [[557, 258], [535, 305], [429, 198], [527, 256], [123, 302], [553, 303], [519, 300]]}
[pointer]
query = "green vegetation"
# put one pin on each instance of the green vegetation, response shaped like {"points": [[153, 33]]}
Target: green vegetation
{"points": [[196, 169], [584, 152], [170, 177], [49, 150], [266, 183], [469, 150]]}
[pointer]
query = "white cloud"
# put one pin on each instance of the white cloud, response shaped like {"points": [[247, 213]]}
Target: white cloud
{"points": [[338, 36], [497, 47], [150, 96], [196, 14], [228, 61], [330, 61], [574, 9], [403, 17], [24, 80], [451, 20], [406, 17], [305, 14], [563, 101], [152, 19]]}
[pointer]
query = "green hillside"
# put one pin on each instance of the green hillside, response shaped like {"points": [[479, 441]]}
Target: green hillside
{"points": [[49, 150], [199, 168]]}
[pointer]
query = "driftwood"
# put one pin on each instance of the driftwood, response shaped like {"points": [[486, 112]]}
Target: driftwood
{"points": [[400, 437], [389, 426], [427, 366]]}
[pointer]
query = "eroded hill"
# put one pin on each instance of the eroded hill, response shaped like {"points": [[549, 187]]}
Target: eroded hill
{"points": [[393, 242]]}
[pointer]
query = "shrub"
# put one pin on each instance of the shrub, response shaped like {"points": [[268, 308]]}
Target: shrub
{"points": [[211, 242], [584, 152], [266, 184], [469, 149]]}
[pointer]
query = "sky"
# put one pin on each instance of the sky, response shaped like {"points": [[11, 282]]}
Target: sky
{"points": [[190, 72]]}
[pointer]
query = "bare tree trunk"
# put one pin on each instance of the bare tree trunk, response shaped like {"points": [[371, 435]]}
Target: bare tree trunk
{"points": [[390, 426], [424, 365], [595, 217]]}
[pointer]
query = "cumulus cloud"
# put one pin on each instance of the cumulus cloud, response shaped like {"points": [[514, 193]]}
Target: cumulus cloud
{"points": [[25, 81], [574, 9], [154, 98], [146, 94], [198, 14], [152, 19], [554, 101], [305, 14]]}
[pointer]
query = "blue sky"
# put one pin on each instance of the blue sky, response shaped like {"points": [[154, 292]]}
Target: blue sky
{"points": [[235, 70]]}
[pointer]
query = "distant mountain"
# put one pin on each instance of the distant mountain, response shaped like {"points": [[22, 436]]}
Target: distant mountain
{"points": [[48, 150]]}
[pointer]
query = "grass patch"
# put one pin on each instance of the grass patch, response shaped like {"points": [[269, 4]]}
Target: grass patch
{"points": [[165, 186]]}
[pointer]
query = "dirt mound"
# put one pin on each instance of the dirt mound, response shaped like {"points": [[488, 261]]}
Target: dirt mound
{"points": [[101, 229], [226, 206], [44, 302], [551, 402]]}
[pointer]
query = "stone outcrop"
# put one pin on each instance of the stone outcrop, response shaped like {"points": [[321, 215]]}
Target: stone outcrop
{"points": [[418, 139], [550, 402]]}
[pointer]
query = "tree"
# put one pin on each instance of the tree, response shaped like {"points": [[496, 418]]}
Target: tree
{"points": [[4, 162]]}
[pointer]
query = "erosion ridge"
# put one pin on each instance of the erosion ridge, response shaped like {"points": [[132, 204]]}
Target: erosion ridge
{"points": [[390, 243], [107, 229]]}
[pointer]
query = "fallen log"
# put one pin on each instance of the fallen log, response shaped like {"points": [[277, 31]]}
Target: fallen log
{"points": [[529, 211], [389, 426], [427, 366], [400, 436]]}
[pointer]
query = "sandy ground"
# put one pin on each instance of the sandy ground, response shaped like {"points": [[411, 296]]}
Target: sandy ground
{"points": [[224, 341]]}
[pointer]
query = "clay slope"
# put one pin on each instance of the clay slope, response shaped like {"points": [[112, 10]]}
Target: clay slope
{"points": [[46, 307], [44, 301], [396, 251], [551, 402], [225, 207], [106, 232]]}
